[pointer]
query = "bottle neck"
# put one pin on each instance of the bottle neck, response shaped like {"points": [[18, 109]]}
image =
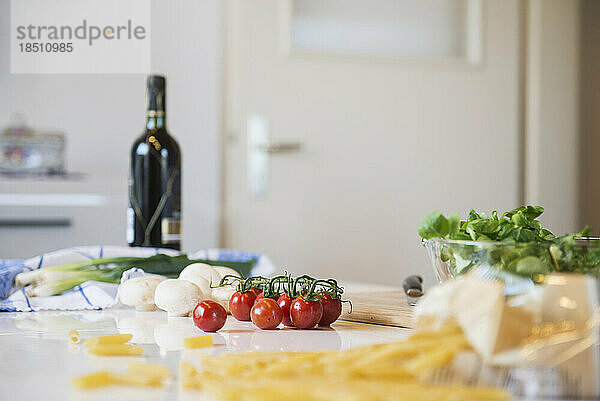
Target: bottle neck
{"points": [[156, 97], [155, 120]]}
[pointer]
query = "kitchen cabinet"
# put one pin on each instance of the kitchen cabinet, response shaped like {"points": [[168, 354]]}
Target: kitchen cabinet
{"points": [[42, 214]]}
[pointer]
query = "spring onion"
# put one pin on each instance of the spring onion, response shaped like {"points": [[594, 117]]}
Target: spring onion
{"points": [[55, 280]]}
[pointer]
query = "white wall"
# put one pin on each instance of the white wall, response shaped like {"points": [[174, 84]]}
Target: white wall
{"points": [[103, 114]]}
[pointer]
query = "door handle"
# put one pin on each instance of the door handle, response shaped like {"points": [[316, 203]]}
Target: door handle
{"points": [[280, 147], [260, 148]]}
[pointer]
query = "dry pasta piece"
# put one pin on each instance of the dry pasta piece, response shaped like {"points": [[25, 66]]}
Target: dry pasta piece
{"points": [[138, 380], [100, 379], [138, 374], [160, 372], [110, 339], [116, 350], [187, 375], [74, 337], [198, 342]]}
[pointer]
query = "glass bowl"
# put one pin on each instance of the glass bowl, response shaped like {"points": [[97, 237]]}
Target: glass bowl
{"points": [[519, 265]]}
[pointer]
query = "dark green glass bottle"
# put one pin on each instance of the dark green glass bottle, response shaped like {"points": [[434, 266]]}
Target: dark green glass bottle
{"points": [[154, 214]]}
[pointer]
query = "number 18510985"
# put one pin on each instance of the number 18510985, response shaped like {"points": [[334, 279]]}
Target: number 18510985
{"points": [[41, 47]]}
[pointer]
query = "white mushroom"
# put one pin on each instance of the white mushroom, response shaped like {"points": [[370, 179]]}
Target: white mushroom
{"points": [[221, 295], [139, 292], [192, 275], [201, 270], [224, 271], [177, 297]]}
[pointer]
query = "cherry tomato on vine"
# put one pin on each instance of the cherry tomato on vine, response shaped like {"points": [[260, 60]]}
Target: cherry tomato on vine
{"points": [[240, 304], [266, 314], [284, 301], [305, 314], [332, 309], [209, 316], [256, 291], [261, 296]]}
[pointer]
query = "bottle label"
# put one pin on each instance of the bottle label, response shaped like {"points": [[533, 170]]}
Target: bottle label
{"points": [[130, 225], [170, 230]]}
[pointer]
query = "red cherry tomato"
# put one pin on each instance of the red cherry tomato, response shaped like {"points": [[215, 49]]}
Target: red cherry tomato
{"points": [[332, 309], [256, 291], [284, 301], [305, 314], [266, 314], [209, 316], [261, 296], [240, 304]]}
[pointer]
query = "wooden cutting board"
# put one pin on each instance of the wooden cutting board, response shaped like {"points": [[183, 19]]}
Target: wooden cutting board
{"points": [[379, 307]]}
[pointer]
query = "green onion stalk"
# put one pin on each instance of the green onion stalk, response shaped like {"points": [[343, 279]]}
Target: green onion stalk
{"points": [[43, 274], [55, 280]]}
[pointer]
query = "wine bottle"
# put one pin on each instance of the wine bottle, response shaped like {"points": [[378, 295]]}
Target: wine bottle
{"points": [[154, 213]]}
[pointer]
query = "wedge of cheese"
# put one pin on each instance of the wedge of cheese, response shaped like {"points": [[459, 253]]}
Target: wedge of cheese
{"points": [[478, 306]]}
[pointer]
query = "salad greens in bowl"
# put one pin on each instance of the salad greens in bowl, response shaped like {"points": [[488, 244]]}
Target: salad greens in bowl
{"points": [[513, 247]]}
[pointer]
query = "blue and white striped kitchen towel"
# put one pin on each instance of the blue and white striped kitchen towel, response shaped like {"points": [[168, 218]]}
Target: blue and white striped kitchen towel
{"points": [[93, 294]]}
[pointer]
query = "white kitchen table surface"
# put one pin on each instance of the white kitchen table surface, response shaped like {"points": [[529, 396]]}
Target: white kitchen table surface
{"points": [[37, 360]]}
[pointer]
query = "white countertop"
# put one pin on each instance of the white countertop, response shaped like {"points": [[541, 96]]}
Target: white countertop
{"points": [[37, 360]]}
